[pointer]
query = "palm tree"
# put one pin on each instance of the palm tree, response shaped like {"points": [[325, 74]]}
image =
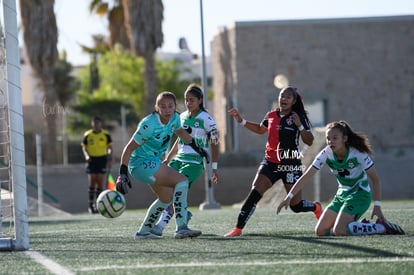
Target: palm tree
{"points": [[143, 20], [40, 39], [116, 18], [66, 84], [99, 48]]}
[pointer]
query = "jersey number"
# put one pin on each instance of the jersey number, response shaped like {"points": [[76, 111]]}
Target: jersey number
{"points": [[166, 140]]}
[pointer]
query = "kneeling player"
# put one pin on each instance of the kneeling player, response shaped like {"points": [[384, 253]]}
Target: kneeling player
{"points": [[348, 156]]}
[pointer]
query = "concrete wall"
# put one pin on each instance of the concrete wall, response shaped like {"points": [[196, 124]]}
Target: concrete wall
{"points": [[69, 186], [361, 68]]}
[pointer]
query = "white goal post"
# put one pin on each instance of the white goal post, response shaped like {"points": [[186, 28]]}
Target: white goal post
{"points": [[13, 207]]}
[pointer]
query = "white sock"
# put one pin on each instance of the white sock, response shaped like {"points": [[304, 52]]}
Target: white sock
{"points": [[361, 228], [180, 203], [152, 216], [165, 218]]}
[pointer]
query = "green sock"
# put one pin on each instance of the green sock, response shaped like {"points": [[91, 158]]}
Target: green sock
{"points": [[180, 203], [152, 216]]}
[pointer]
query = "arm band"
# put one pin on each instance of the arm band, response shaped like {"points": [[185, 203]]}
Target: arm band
{"points": [[377, 203], [214, 165], [290, 195], [243, 122], [301, 128]]}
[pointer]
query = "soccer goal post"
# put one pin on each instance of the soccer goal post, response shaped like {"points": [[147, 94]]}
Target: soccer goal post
{"points": [[13, 209]]}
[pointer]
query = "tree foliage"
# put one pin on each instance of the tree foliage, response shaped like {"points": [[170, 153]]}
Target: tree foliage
{"points": [[40, 39], [65, 82], [143, 21], [114, 12], [121, 84]]}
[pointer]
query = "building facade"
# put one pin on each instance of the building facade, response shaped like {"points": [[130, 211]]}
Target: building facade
{"points": [[357, 69]]}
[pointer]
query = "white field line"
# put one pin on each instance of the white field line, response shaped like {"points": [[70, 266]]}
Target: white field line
{"points": [[52, 266], [258, 263]]}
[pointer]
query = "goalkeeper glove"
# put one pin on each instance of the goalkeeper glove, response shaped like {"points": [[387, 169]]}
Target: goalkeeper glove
{"points": [[123, 180]]}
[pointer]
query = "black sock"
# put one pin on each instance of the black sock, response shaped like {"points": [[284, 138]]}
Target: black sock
{"points": [[303, 206], [248, 208], [98, 191], [91, 193]]}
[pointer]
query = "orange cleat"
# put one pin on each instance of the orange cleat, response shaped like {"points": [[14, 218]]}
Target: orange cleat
{"points": [[318, 210], [234, 232]]}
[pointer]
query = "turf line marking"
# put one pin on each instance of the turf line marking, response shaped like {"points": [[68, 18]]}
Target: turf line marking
{"points": [[258, 263], [52, 266]]}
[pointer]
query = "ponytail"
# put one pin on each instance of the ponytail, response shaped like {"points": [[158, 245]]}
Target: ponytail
{"points": [[357, 140]]}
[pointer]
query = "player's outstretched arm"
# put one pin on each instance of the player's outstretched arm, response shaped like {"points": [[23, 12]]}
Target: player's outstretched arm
{"points": [[300, 183], [252, 126]]}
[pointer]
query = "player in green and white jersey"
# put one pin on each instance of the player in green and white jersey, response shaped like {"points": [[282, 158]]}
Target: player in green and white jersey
{"points": [[202, 127], [348, 156]]}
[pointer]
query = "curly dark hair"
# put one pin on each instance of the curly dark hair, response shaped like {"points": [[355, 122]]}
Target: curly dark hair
{"points": [[298, 107]]}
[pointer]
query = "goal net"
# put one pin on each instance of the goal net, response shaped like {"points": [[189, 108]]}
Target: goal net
{"points": [[13, 202]]}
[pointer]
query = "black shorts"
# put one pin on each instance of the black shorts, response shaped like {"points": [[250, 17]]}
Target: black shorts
{"points": [[96, 165], [289, 172]]}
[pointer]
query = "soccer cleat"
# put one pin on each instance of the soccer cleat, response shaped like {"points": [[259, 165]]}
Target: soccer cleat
{"points": [[92, 209], [185, 232], [146, 235], [156, 230], [234, 232], [318, 210], [391, 228]]}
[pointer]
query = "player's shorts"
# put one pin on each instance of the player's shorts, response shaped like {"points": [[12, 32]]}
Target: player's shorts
{"points": [[144, 169], [191, 170], [354, 203], [289, 172], [97, 165]]}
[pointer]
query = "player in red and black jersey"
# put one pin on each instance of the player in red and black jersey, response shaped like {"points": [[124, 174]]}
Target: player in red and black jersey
{"points": [[284, 126]]}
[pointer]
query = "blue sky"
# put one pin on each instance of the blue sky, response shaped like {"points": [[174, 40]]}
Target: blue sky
{"points": [[182, 18]]}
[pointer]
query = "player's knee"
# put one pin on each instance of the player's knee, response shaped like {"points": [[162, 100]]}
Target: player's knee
{"points": [[319, 231], [323, 228], [339, 231]]}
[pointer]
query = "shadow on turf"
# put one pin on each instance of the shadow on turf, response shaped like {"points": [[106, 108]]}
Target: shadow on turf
{"points": [[319, 241]]}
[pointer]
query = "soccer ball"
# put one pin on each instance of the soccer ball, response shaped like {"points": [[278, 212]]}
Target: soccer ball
{"points": [[110, 203]]}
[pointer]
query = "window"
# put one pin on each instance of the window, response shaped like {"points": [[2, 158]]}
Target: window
{"points": [[316, 109]]}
